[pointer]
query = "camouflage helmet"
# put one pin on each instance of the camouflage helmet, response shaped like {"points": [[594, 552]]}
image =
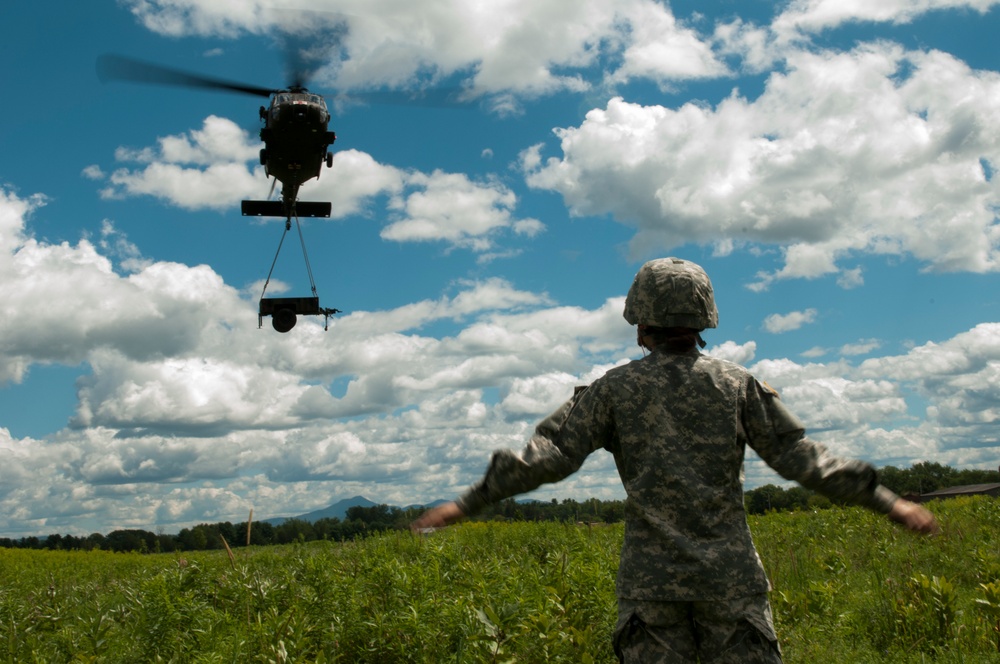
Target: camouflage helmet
{"points": [[671, 292]]}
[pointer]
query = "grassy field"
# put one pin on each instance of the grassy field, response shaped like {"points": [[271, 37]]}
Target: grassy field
{"points": [[848, 587]]}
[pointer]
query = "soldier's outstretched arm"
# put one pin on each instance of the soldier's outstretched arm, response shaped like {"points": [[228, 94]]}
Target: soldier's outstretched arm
{"points": [[546, 458], [551, 454]]}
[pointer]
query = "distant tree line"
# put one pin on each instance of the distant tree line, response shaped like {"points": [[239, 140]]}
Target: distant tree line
{"points": [[920, 478], [360, 521], [926, 477], [357, 522]]}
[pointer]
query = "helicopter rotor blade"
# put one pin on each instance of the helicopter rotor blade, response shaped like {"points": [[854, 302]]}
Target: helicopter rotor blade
{"points": [[433, 97], [121, 68], [297, 70], [309, 45]]}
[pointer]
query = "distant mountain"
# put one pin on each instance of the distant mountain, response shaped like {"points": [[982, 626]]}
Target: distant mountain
{"points": [[338, 510], [419, 506]]}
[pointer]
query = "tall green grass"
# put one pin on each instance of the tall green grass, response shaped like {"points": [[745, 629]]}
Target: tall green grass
{"points": [[848, 587]]}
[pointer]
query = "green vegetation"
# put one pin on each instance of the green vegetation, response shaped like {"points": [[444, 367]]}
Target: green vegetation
{"points": [[851, 587], [848, 587]]}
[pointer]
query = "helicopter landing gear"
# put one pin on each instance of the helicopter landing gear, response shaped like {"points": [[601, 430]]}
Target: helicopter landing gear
{"points": [[329, 160]]}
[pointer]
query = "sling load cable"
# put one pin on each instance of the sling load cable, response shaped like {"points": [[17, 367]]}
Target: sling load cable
{"points": [[305, 255], [312, 282], [288, 225]]}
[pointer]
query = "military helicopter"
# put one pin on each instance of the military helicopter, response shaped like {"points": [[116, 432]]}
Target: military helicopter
{"points": [[296, 131], [296, 138]]}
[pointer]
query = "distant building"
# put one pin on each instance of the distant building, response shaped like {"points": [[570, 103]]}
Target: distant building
{"points": [[955, 491]]}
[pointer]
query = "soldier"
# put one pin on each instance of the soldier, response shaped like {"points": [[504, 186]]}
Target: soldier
{"points": [[690, 585]]}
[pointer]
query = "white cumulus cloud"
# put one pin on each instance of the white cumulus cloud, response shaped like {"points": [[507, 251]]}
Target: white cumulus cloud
{"points": [[778, 323], [875, 151]]}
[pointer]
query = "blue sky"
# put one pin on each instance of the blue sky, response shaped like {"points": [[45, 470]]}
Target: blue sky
{"points": [[830, 165]]}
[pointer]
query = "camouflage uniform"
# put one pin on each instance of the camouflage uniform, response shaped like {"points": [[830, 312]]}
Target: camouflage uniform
{"points": [[678, 424]]}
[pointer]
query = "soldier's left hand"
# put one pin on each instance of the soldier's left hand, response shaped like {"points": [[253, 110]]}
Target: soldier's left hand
{"points": [[438, 517], [914, 516]]}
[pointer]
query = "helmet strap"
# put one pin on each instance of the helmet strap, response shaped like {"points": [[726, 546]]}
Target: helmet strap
{"points": [[640, 332]]}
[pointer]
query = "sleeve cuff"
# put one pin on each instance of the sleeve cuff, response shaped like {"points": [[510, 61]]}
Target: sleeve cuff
{"points": [[471, 502], [883, 499]]}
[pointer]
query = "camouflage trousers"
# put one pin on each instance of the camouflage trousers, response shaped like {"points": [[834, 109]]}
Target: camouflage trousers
{"points": [[739, 631]]}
